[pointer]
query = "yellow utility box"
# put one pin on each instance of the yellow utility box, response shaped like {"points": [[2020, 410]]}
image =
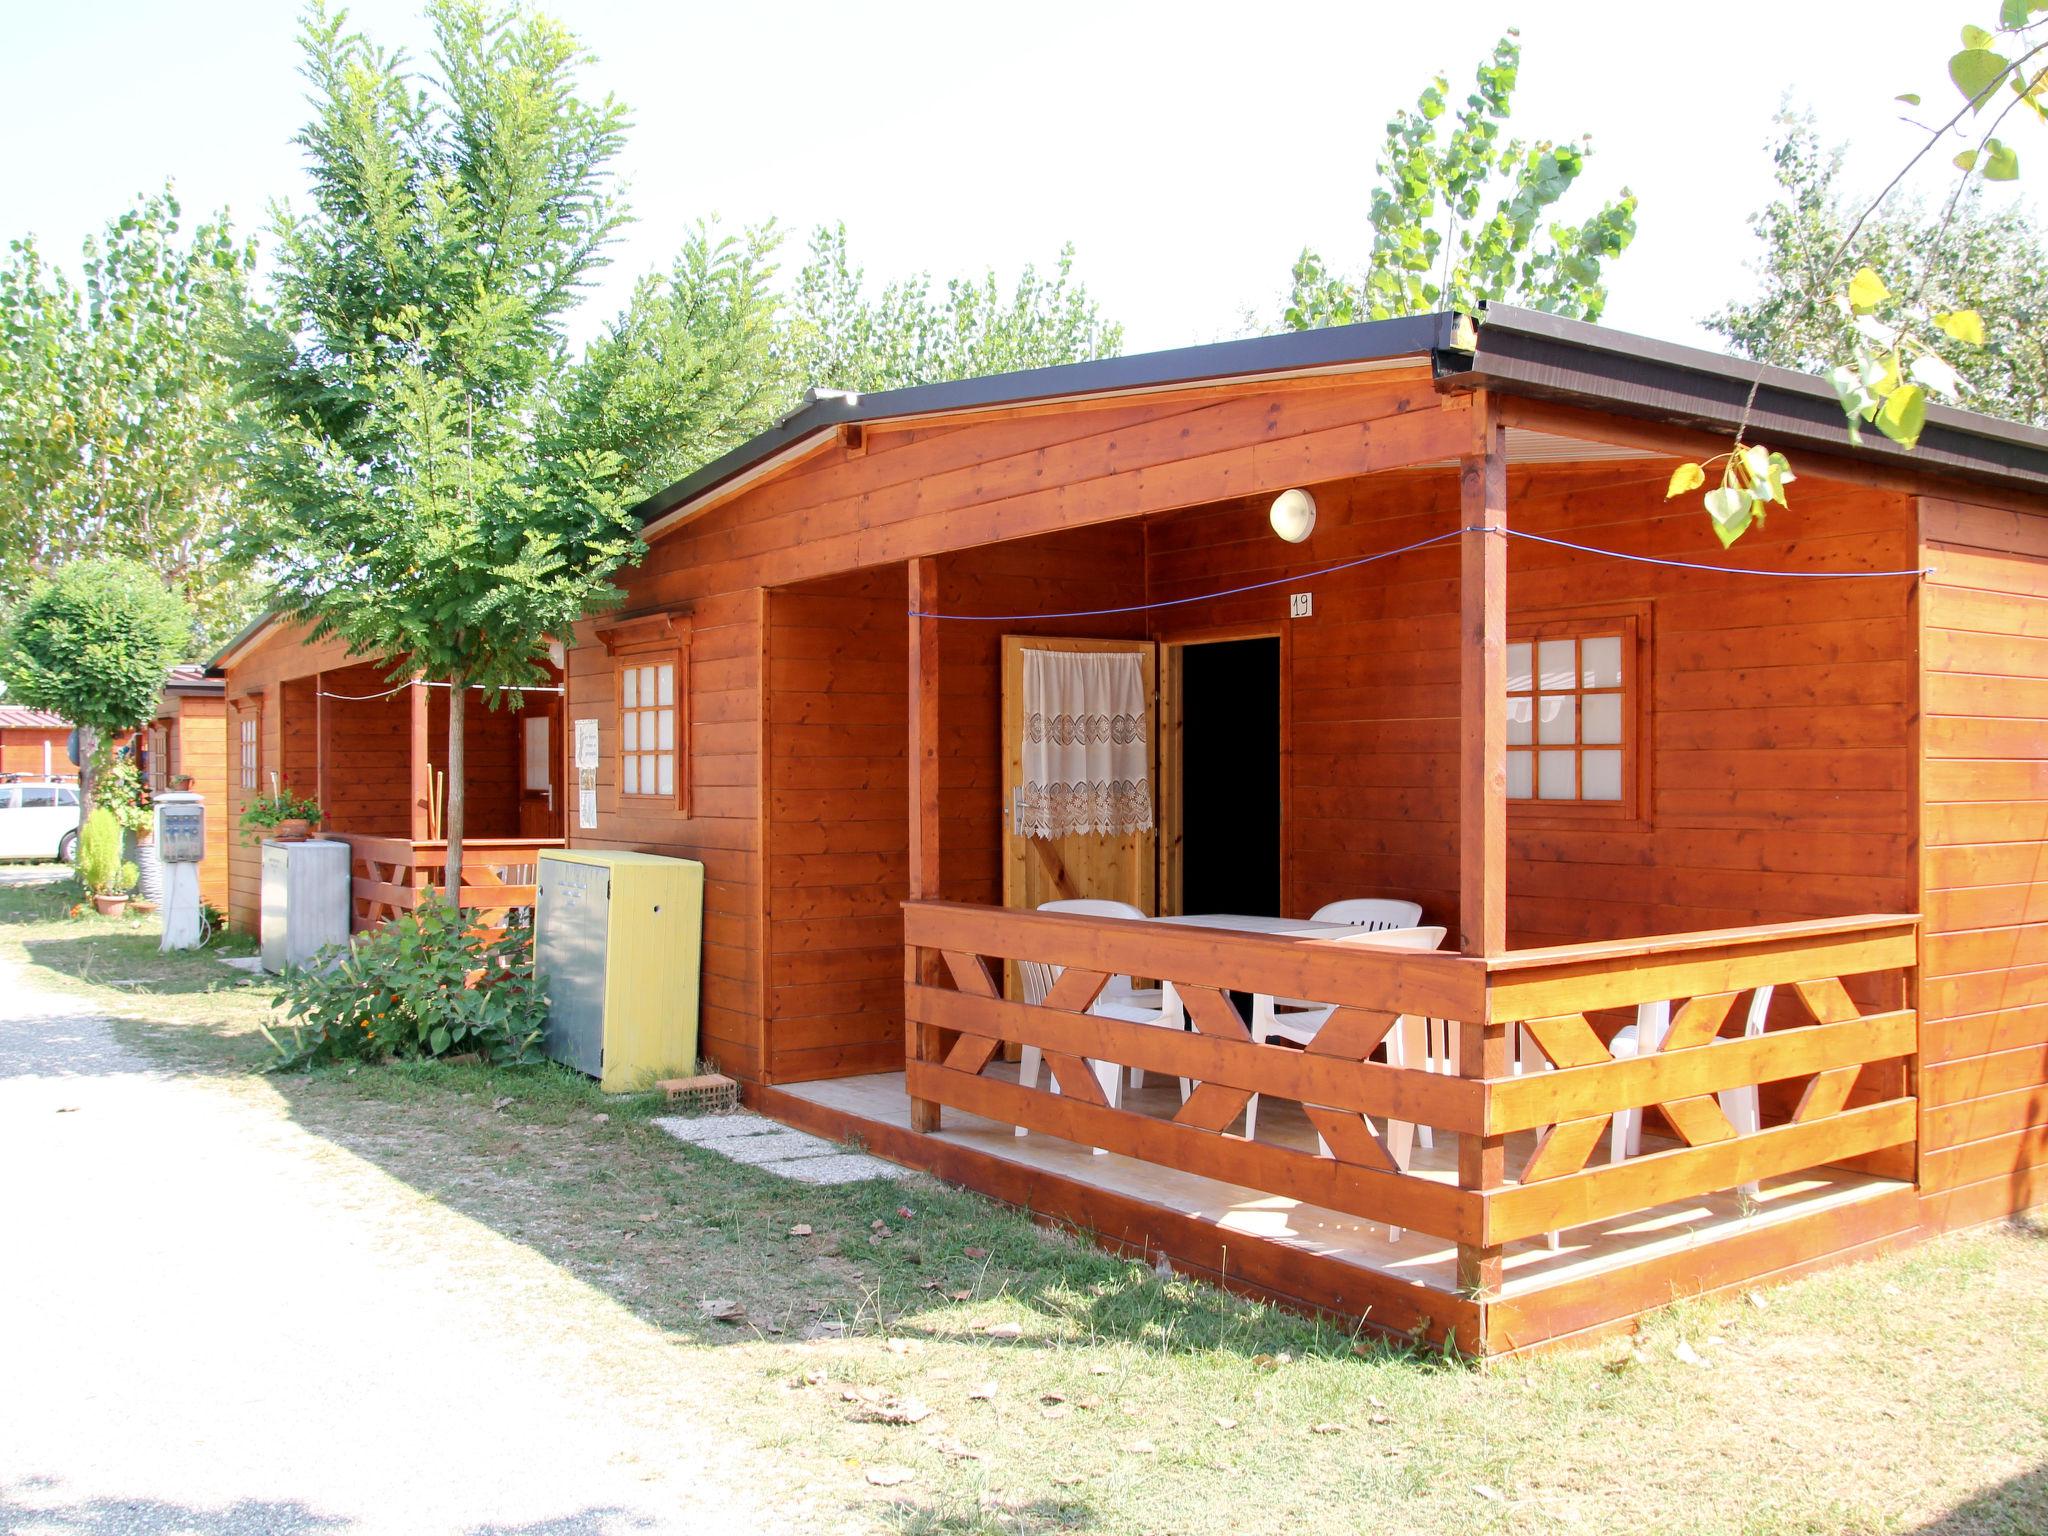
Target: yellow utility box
{"points": [[618, 938]]}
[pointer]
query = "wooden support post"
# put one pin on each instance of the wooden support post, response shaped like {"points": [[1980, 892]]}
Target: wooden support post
{"points": [[921, 1042], [1482, 1160], [1482, 792], [320, 724], [1483, 663], [422, 762]]}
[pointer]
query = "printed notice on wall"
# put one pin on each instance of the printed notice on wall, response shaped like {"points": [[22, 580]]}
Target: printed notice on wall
{"points": [[586, 774]]}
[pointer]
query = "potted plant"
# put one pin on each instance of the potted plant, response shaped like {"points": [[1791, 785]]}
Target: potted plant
{"points": [[282, 816], [99, 860], [113, 901]]}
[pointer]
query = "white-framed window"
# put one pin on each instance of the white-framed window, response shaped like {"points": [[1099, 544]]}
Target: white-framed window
{"points": [[1572, 701], [250, 740], [650, 735]]}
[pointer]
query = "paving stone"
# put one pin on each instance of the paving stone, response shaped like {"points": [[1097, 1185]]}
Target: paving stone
{"points": [[840, 1168], [779, 1148], [703, 1128]]}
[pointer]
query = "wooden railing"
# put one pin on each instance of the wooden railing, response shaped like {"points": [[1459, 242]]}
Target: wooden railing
{"points": [[390, 873], [1559, 1008]]}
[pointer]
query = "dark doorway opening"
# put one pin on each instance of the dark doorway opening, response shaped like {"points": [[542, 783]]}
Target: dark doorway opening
{"points": [[1230, 777]]}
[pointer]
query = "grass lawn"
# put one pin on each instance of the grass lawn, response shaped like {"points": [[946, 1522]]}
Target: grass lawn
{"points": [[923, 1361]]}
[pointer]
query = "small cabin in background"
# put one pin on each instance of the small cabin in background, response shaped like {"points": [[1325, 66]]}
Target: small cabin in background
{"points": [[186, 747], [372, 752], [34, 742]]}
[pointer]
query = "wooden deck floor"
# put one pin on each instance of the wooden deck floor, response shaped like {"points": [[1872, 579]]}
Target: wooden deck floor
{"points": [[1413, 1259]]}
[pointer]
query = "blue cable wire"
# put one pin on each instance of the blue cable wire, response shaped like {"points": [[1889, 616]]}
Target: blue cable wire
{"points": [[1388, 554]]}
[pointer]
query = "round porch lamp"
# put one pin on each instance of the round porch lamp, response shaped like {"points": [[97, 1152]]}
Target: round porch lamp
{"points": [[1293, 515]]}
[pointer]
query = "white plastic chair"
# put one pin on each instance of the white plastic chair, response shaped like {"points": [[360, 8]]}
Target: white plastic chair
{"points": [[1376, 914], [1284, 1019], [1647, 1035], [1120, 998]]}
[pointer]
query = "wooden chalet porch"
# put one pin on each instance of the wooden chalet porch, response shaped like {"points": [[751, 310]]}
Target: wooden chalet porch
{"points": [[1517, 1223]]}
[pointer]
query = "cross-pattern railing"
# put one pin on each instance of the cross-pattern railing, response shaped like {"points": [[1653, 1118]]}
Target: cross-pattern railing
{"points": [[1526, 1132], [389, 874]]}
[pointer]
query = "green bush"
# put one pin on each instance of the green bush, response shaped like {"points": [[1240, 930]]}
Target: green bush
{"points": [[99, 852], [420, 985]]}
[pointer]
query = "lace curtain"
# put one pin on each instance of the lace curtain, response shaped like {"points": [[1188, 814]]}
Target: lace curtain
{"points": [[1086, 763]]}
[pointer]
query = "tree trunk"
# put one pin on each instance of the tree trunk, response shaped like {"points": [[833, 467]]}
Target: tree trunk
{"points": [[88, 751], [458, 706]]}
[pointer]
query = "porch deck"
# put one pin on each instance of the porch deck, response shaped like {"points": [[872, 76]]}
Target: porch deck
{"points": [[1676, 1226]]}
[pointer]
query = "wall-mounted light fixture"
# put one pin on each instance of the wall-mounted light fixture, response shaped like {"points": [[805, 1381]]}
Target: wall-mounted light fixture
{"points": [[1293, 515]]}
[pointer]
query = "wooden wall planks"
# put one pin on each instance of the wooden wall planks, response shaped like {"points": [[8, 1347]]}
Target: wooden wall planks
{"points": [[1782, 771], [1984, 860]]}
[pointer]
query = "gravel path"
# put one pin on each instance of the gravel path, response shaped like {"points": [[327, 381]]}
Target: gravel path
{"points": [[213, 1321]]}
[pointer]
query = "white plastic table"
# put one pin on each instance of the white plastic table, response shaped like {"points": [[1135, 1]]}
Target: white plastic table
{"points": [[1239, 922]]}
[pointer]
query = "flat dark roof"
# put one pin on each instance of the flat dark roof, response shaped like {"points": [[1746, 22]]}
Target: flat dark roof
{"points": [[1515, 351]]}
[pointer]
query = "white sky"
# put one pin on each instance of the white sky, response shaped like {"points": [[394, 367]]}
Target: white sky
{"points": [[1188, 152]]}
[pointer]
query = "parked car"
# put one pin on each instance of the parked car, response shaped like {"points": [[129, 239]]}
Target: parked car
{"points": [[39, 820]]}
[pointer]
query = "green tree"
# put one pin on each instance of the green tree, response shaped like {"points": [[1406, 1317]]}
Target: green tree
{"points": [[838, 337], [92, 643], [1458, 217], [116, 417], [693, 366], [1991, 260], [417, 504]]}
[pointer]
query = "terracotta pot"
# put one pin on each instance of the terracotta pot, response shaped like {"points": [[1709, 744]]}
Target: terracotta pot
{"points": [[140, 907], [295, 830], [110, 906]]}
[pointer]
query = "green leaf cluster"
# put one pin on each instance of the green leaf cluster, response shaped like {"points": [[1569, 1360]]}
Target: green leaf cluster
{"points": [[93, 642], [419, 500], [1978, 333], [282, 804], [1461, 216], [117, 416], [837, 336], [425, 983]]}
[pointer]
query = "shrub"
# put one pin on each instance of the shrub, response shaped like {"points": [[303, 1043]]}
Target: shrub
{"points": [[99, 852], [420, 985], [118, 788], [128, 879]]}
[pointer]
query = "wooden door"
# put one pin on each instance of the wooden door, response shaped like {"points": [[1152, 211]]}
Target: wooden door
{"points": [[1036, 870], [540, 792]]}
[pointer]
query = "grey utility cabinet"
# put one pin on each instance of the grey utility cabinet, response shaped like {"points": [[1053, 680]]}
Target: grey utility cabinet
{"points": [[305, 900]]}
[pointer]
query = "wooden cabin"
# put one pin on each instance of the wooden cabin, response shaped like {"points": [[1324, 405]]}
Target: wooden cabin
{"points": [[35, 743], [188, 740], [1746, 847], [373, 753]]}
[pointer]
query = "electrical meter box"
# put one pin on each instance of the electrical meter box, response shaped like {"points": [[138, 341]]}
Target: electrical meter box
{"points": [[617, 937], [180, 828]]}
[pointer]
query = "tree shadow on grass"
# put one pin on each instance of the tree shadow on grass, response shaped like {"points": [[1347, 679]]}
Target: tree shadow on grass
{"points": [[131, 963], [665, 1228], [2016, 1507]]}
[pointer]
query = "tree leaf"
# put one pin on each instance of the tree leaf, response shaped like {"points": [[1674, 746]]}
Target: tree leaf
{"points": [[2002, 162], [1964, 325], [1933, 371], [1977, 37], [1867, 291], [1903, 415], [1687, 477], [1911, 98], [1975, 71]]}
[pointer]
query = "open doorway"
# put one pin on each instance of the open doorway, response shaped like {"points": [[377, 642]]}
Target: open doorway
{"points": [[1222, 779]]}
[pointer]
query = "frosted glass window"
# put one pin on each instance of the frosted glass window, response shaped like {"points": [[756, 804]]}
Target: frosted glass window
{"points": [[648, 728], [1556, 665], [1600, 719], [1567, 695], [1557, 775], [250, 743], [1557, 719], [1600, 661], [1518, 666], [1600, 776], [1520, 713]]}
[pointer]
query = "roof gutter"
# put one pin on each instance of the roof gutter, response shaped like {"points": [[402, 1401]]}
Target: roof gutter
{"points": [[1525, 352]]}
